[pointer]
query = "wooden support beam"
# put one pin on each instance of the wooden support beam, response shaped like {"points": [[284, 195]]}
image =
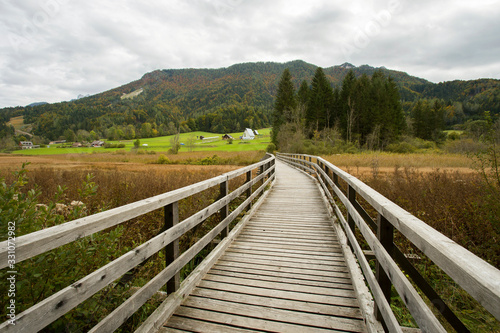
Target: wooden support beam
{"points": [[249, 191], [224, 212], [172, 249], [385, 234]]}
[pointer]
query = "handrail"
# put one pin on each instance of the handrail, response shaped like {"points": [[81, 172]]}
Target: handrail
{"points": [[50, 309], [480, 279]]}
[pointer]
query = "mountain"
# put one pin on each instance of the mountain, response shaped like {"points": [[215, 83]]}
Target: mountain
{"points": [[36, 104], [240, 95]]}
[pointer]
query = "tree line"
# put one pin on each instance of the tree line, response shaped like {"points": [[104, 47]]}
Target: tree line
{"points": [[364, 110]]}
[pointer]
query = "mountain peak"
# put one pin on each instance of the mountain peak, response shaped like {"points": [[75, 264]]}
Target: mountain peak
{"points": [[347, 65]]}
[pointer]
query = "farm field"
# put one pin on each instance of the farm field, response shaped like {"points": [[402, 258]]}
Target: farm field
{"points": [[162, 144]]}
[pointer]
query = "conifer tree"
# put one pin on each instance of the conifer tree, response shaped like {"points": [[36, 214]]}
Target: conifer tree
{"points": [[303, 93], [286, 101], [319, 113]]}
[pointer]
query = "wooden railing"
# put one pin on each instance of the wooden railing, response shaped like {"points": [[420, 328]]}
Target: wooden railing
{"points": [[50, 309], [478, 278]]}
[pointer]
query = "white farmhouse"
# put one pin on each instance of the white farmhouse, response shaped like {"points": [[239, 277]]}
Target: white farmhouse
{"points": [[248, 134]]}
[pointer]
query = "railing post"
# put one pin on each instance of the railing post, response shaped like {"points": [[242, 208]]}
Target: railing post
{"points": [[171, 216], [249, 191], [351, 196], [385, 234], [224, 211]]}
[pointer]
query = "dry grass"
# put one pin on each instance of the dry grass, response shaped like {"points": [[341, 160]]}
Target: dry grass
{"points": [[386, 163]]}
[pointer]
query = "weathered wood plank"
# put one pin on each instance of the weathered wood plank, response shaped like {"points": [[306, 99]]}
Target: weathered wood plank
{"points": [[291, 247], [290, 264], [280, 254], [280, 286], [340, 283], [285, 259], [283, 294], [276, 315], [306, 307], [284, 269], [194, 325], [245, 322], [326, 255], [311, 278]]}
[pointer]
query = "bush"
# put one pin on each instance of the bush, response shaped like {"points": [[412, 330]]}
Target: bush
{"points": [[162, 159], [271, 148], [401, 148], [114, 145]]}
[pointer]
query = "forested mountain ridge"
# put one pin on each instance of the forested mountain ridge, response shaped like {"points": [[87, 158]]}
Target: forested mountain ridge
{"points": [[228, 99]]}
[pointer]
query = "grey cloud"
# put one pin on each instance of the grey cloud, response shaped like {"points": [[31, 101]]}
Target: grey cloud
{"points": [[91, 47]]}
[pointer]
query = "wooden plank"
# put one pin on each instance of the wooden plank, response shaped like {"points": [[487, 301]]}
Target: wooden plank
{"points": [[286, 259], [279, 254], [283, 294], [244, 246], [263, 239], [294, 279], [194, 325], [305, 307], [281, 269], [292, 247], [276, 315], [307, 278], [279, 263], [244, 322], [343, 284], [280, 286]]}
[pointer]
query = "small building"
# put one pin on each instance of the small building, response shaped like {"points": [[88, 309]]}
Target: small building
{"points": [[26, 144], [97, 143], [77, 144], [248, 134], [227, 137]]}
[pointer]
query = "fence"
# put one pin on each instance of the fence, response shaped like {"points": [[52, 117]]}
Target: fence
{"points": [[50, 309], [474, 275]]}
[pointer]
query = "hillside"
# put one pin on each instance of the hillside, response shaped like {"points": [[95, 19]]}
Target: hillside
{"points": [[227, 99]]}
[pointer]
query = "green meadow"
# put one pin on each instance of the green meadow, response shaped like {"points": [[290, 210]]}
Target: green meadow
{"points": [[189, 142]]}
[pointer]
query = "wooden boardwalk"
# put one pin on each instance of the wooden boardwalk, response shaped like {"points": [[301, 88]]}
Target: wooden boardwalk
{"points": [[285, 272]]}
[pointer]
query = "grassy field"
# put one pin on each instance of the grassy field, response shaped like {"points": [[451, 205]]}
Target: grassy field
{"points": [[162, 144]]}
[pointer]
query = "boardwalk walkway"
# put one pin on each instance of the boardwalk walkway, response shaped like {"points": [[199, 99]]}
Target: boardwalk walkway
{"points": [[284, 272]]}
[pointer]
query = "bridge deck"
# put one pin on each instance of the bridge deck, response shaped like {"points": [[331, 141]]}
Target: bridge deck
{"points": [[284, 272]]}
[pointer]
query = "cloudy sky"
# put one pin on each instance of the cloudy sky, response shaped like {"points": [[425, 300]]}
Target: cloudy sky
{"points": [[54, 50]]}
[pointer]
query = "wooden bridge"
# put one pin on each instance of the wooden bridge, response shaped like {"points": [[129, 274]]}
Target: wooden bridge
{"points": [[293, 263]]}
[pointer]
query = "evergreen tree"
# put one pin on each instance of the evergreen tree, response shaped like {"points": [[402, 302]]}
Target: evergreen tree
{"points": [[286, 101], [303, 93], [347, 103], [319, 112]]}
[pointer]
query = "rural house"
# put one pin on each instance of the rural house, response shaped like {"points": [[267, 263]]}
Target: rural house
{"points": [[248, 134], [227, 137], [27, 145], [97, 144]]}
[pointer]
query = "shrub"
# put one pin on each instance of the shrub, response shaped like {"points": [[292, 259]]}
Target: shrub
{"points": [[271, 148], [114, 145], [401, 148], [162, 159]]}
